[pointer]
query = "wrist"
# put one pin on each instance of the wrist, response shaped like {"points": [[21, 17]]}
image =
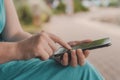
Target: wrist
{"points": [[18, 49], [15, 52], [24, 50], [8, 51]]}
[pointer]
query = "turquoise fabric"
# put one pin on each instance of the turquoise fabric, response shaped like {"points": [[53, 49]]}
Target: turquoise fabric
{"points": [[2, 15], [35, 69]]}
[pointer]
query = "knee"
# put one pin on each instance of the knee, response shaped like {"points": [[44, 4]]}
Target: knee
{"points": [[87, 72], [86, 66]]}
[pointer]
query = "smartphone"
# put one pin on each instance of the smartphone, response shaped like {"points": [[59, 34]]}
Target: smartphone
{"points": [[100, 43]]}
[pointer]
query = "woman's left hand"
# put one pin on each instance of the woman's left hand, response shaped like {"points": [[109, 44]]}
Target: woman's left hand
{"points": [[77, 56]]}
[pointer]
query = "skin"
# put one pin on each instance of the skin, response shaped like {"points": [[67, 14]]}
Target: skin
{"points": [[22, 45]]}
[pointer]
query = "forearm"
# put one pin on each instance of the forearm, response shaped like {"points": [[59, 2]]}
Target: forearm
{"points": [[7, 51], [20, 36], [17, 37], [12, 30]]}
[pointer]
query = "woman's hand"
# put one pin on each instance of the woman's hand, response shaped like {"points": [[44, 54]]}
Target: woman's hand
{"points": [[42, 45], [77, 56]]}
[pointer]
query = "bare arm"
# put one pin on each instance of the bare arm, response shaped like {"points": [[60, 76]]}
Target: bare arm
{"points": [[7, 51], [21, 45], [13, 30]]}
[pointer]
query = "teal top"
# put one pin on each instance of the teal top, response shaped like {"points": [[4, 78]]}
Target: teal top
{"points": [[2, 15], [35, 69]]}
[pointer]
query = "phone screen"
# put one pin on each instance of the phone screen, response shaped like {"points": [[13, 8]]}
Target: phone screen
{"points": [[95, 44]]}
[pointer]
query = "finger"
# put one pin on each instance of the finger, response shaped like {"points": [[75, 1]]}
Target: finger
{"points": [[86, 53], [73, 43], [81, 57], [51, 43], [60, 41], [43, 55], [48, 49], [73, 59], [64, 61]]}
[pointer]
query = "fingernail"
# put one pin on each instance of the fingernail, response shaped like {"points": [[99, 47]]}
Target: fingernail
{"points": [[70, 48], [79, 50], [65, 54]]}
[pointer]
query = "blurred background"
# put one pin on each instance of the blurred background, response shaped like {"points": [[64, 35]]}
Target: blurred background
{"points": [[78, 20]]}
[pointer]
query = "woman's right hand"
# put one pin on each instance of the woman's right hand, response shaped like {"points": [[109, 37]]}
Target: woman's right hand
{"points": [[41, 45]]}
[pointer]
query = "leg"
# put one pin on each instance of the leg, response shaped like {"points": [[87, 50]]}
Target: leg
{"points": [[36, 69]]}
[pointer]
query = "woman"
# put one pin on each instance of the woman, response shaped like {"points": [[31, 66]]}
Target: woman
{"points": [[19, 50]]}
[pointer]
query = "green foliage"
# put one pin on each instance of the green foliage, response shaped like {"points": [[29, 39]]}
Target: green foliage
{"points": [[45, 17], [114, 3], [31, 28], [78, 6], [24, 14], [60, 8]]}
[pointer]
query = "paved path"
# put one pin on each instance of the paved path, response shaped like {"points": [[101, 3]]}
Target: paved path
{"points": [[81, 26]]}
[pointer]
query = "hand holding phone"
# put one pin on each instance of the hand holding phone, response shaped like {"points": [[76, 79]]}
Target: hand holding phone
{"points": [[84, 46]]}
